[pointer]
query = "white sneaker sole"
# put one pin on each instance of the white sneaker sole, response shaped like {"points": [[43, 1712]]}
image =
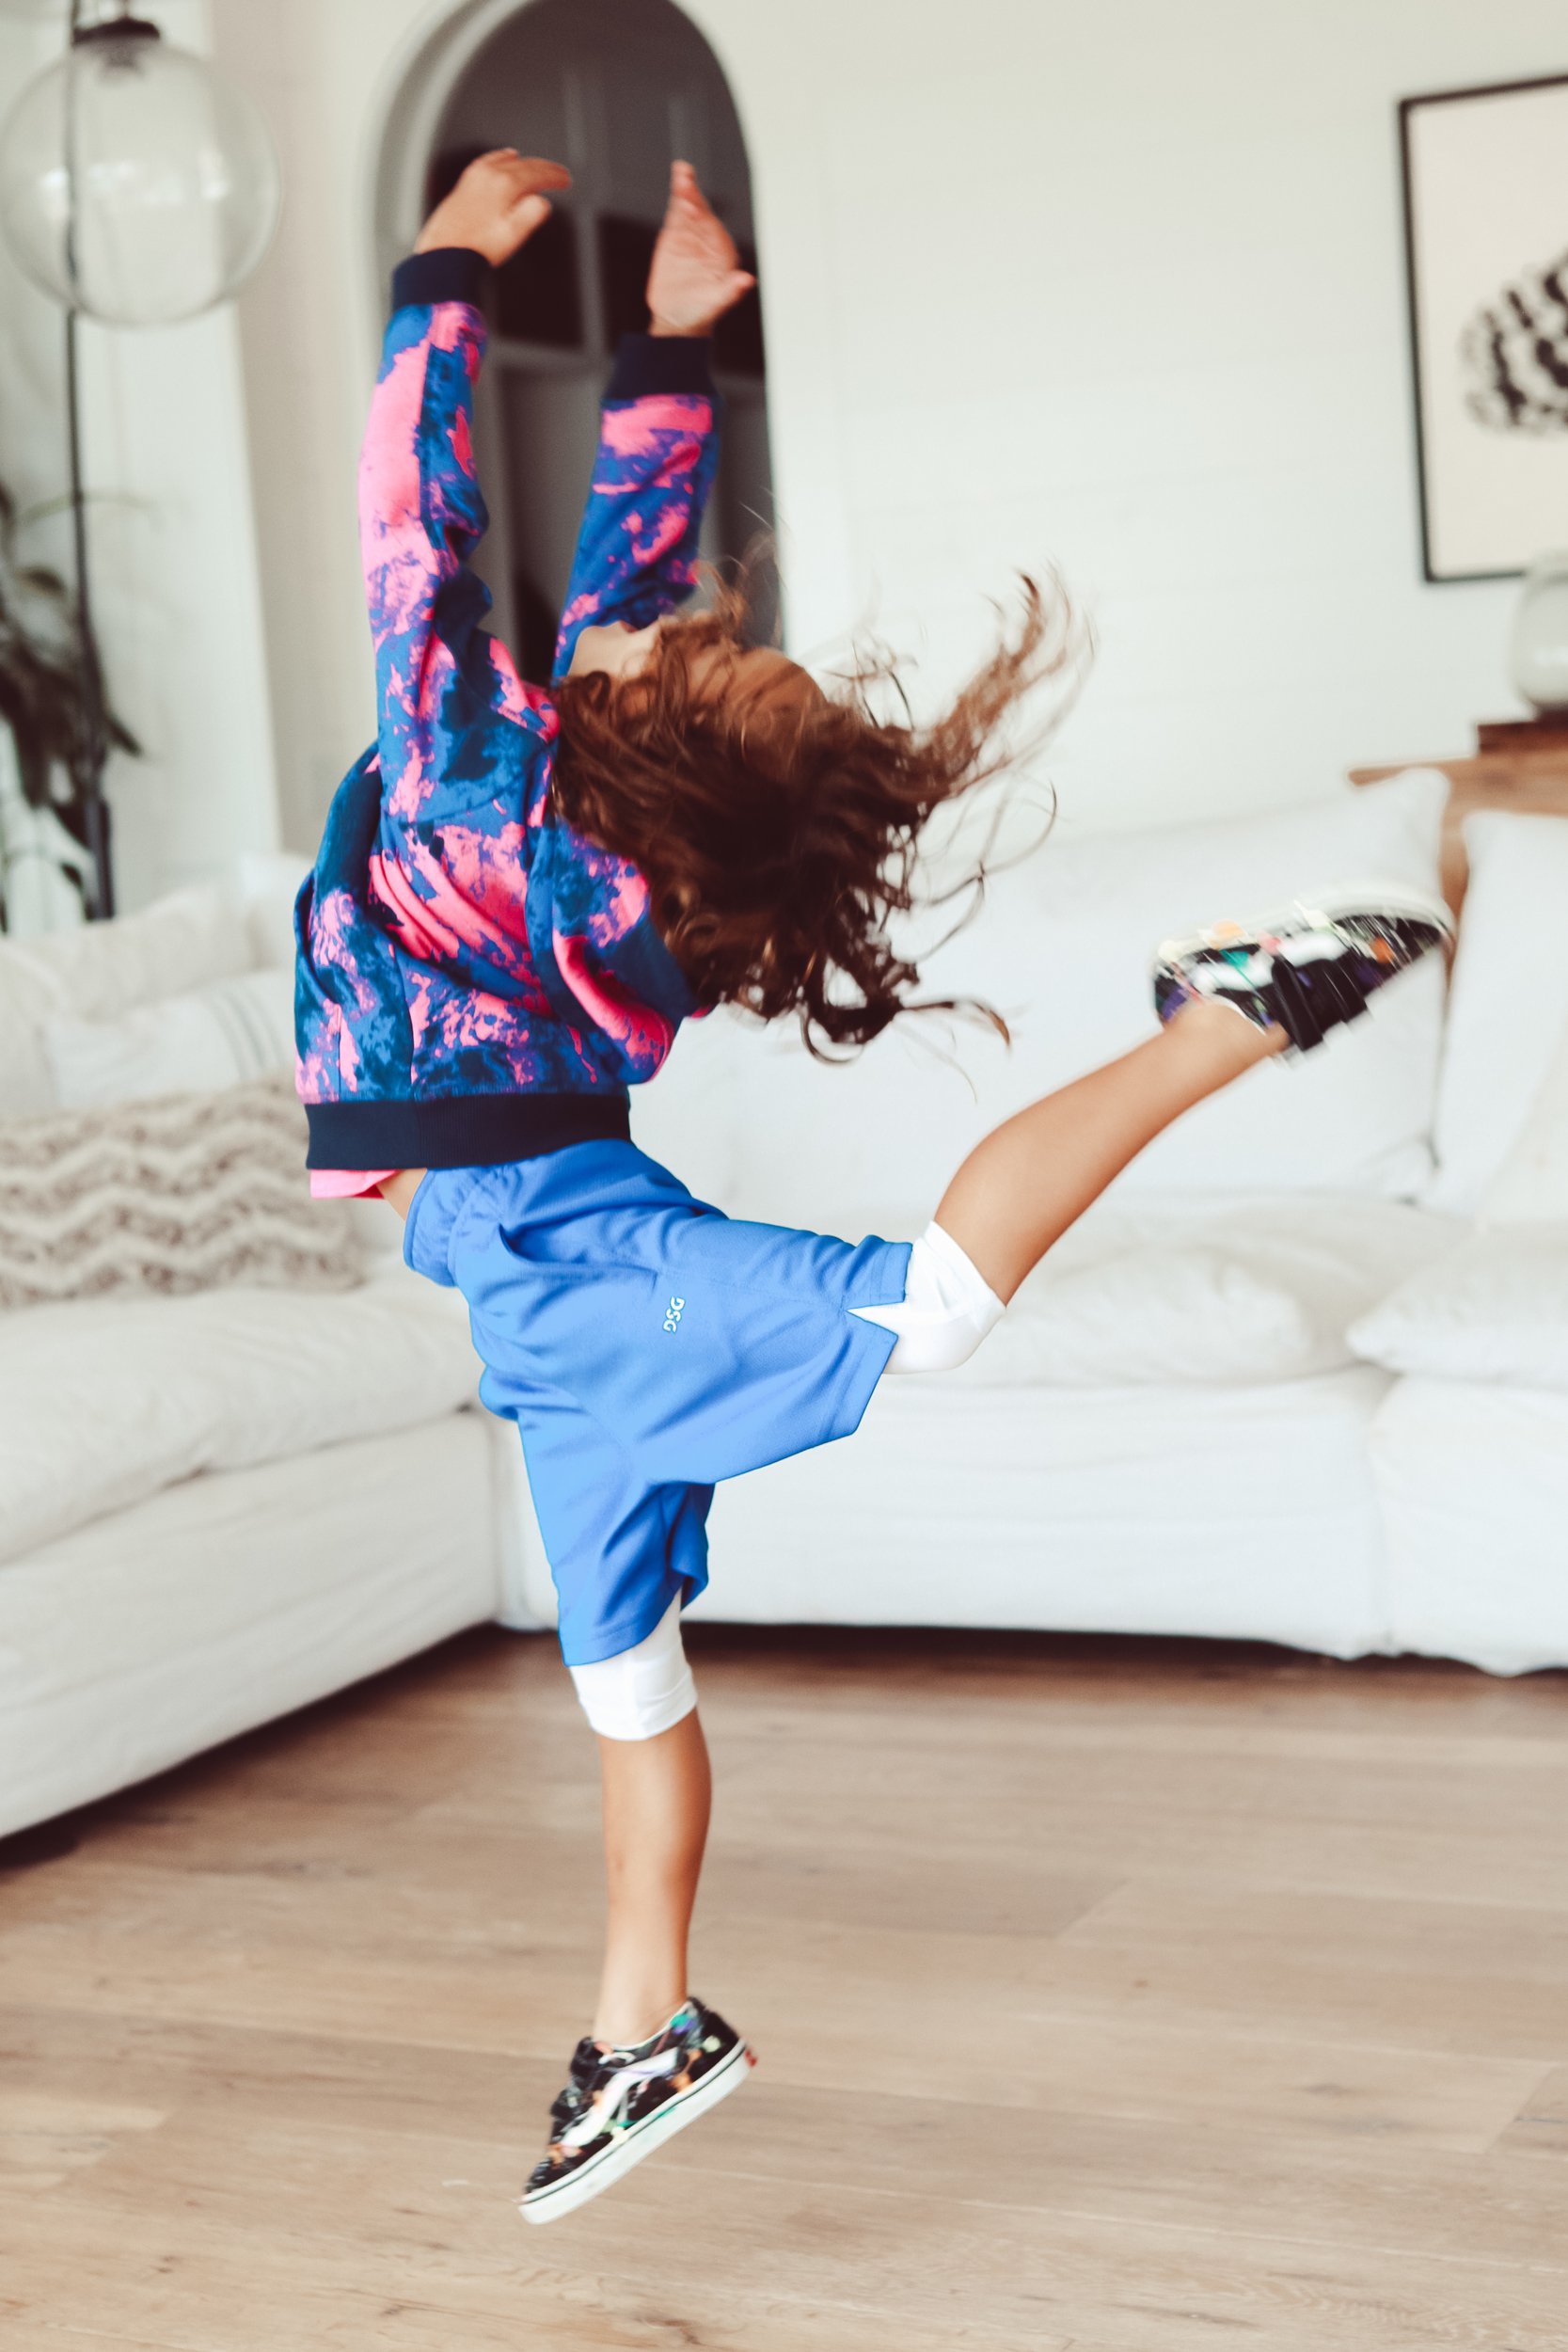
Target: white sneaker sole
{"points": [[1344, 899], [630, 2147]]}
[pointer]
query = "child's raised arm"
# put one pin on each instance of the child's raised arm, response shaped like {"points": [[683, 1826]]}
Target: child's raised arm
{"points": [[420, 510], [636, 554]]}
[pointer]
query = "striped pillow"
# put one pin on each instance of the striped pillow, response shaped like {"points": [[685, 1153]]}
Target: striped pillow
{"points": [[192, 1192], [231, 1030]]}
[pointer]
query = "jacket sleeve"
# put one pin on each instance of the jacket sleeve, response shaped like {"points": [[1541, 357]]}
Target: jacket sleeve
{"points": [[659, 445], [421, 516], [459, 734]]}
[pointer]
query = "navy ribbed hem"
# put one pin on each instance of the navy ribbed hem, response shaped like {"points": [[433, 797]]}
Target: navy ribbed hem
{"points": [[451, 273], [661, 363], [461, 1130]]}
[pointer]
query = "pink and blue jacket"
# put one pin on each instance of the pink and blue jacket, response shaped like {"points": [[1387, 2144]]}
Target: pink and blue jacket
{"points": [[476, 981]]}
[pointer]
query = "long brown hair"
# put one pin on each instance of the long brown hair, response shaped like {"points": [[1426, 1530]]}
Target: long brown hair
{"points": [[777, 847]]}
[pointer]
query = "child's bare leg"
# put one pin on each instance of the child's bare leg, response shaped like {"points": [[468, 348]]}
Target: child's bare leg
{"points": [[1032, 1177], [656, 1799], [1016, 1194]]}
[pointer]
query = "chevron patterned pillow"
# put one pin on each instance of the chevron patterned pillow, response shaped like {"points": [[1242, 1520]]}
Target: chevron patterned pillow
{"points": [[191, 1192]]}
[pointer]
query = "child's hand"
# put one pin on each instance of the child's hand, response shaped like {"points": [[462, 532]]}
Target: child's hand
{"points": [[693, 279], [495, 206]]}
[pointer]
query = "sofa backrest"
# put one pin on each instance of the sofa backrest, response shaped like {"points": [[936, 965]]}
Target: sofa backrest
{"points": [[1062, 948]]}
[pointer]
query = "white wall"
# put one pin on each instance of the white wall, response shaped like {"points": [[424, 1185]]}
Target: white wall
{"points": [[1119, 288], [175, 573]]}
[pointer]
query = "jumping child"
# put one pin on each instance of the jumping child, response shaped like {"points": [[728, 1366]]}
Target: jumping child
{"points": [[521, 892]]}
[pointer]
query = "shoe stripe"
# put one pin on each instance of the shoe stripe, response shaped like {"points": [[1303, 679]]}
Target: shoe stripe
{"points": [[628, 2147]]}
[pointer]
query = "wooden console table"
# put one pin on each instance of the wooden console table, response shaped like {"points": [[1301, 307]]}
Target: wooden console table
{"points": [[1519, 764]]}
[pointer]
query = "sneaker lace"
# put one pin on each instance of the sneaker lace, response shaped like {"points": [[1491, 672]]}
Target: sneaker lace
{"points": [[609, 2094]]}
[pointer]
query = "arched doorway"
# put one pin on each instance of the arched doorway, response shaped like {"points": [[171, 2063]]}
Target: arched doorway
{"points": [[614, 88]]}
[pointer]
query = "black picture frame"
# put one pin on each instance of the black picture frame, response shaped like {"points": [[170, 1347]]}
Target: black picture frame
{"points": [[1429, 488]]}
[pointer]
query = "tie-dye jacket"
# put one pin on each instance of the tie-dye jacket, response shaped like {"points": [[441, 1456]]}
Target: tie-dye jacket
{"points": [[477, 981]]}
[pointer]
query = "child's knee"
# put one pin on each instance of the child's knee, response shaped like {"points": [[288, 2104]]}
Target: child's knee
{"points": [[946, 1309], [642, 1691]]}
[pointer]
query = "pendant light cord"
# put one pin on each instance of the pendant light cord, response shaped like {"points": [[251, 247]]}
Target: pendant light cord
{"points": [[92, 756]]}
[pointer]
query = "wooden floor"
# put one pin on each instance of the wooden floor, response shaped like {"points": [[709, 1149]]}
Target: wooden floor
{"points": [[1130, 1997]]}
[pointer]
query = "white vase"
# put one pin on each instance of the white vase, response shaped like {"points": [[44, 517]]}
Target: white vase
{"points": [[1538, 654]]}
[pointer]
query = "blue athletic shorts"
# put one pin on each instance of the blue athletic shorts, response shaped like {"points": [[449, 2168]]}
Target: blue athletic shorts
{"points": [[646, 1345]]}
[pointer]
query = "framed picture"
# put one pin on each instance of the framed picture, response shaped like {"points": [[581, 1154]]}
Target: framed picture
{"points": [[1486, 244]]}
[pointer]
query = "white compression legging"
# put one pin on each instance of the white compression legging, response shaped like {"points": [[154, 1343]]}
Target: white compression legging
{"points": [[946, 1312]]}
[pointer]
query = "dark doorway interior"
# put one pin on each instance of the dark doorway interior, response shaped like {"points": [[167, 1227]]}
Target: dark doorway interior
{"points": [[614, 88]]}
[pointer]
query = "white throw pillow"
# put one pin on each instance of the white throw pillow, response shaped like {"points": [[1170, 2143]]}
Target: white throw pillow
{"points": [[1232, 1291], [1495, 1309], [268, 883], [1509, 1000], [220, 1035], [100, 971], [25, 1085], [1531, 1185], [1062, 949]]}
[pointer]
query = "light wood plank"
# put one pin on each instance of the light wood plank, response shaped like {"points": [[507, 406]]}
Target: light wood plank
{"points": [[1136, 1992], [1111, 2164]]}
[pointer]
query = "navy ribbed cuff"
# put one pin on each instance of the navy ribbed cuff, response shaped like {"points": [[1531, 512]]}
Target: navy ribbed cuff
{"points": [[661, 363], [460, 1130], [451, 272]]}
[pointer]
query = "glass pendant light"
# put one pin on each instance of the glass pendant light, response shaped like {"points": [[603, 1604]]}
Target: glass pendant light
{"points": [[136, 185], [138, 188]]}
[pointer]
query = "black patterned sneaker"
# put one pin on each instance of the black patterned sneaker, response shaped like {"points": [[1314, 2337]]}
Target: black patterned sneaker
{"points": [[620, 2105], [1308, 967]]}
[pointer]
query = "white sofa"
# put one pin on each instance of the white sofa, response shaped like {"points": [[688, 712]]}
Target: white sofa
{"points": [[216, 1508], [1189, 1423], [237, 1503]]}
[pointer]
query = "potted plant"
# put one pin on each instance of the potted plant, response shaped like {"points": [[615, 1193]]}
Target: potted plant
{"points": [[52, 703]]}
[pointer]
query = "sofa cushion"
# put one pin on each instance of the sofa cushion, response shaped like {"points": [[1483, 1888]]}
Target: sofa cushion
{"points": [[103, 1402], [1244, 1291], [1495, 1309], [1531, 1185], [1509, 1003], [1472, 1488]]}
